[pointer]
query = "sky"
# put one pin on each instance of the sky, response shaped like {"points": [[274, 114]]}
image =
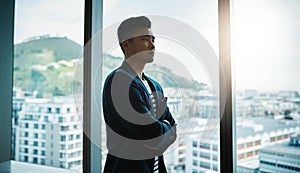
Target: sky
{"points": [[265, 33]]}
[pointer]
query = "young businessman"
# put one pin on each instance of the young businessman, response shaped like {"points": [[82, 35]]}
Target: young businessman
{"points": [[139, 125]]}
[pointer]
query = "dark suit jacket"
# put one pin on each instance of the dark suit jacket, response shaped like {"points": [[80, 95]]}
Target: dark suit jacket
{"points": [[130, 122]]}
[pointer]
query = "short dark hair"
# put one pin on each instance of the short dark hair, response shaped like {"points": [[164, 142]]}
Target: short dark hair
{"points": [[130, 25]]}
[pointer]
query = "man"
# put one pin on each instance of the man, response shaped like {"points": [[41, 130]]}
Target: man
{"points": [[139, 125]]}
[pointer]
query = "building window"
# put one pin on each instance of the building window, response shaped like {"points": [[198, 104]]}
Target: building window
{"points": [[64, 128], [249, 144], [62, 146], [215, 147], [60, 119], [195, 153], [35, 151], [36, 126], [42, 161], [36, 135], [194, 143], [205, 145], [78, 136], [240, 146], [43, 144], [35, 160], [35, 143], [48, 110], [25, 158], [62, 164], [215, 157], [241, 156], [57, 110], [62, 155], [257, 143], [43, 126], [63, 138], [205, 155], [204, 165], [70, 137], [195, 162], [215, 167], [26, 125], [43, 153]]}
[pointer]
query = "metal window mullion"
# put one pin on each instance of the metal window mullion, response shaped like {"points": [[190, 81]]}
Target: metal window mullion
{"points": [[226, 135]]}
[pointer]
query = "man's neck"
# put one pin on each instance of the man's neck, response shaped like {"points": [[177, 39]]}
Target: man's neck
{"points": [[137, 67]]}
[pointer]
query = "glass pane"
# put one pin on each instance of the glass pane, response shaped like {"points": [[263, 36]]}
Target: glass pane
{"points": [[186, 66], [47, 117], [266, 53]]}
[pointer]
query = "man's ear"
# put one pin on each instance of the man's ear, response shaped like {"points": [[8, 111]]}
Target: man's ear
{"points": [[126, 45]]}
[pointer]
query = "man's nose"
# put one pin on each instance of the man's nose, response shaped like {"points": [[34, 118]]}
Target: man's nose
{"points": [[152, 45]]}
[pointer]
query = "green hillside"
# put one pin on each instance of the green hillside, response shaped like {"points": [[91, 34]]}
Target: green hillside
{"points": [[49, 66]]}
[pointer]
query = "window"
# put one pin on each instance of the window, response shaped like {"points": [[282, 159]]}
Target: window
{"points": [[195, 153], [194, 143], [195, 162], [35, 151], [35, 160], [57, 110], [62, 138], [205, 145], [36, 135], [62, 146], [266, 72], [70, 137], [35, 143], [36, 126], [204, 165], [200, 107], [61, 119], [57, 90]]}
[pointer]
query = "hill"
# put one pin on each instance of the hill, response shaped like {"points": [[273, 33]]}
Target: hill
{"points": [[48, 65]]}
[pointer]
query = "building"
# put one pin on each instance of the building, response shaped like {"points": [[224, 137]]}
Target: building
{"points": [[283, 157], [49, 132], [252, 135]]}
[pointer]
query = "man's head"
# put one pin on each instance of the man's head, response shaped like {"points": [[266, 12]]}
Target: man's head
{"points": [[136, 38]]}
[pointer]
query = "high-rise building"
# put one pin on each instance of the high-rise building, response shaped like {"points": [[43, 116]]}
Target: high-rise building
{"points": [[49, 132]]}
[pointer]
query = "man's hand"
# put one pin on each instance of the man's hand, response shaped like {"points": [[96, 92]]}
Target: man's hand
{"points": [[169, 139]]}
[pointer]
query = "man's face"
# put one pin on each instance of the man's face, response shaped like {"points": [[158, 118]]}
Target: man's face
{"points": [[140, 47]]}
